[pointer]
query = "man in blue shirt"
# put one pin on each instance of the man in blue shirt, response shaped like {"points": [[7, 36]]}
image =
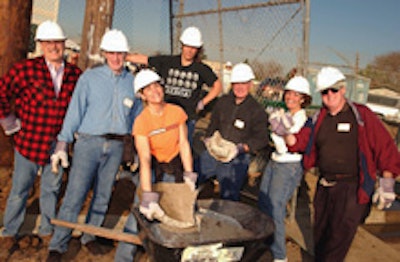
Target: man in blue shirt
{"points": [[101, 112]]}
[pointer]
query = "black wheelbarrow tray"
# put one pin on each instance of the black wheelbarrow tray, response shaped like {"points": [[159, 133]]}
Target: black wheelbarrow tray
{"points": [[240, 236]]}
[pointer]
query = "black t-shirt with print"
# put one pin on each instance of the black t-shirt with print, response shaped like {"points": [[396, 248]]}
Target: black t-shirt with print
{"points": [[183, 84]]}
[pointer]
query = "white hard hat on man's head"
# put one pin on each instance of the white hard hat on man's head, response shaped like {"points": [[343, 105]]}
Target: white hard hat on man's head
{"points": [[191, 36], [241, 73], [327, 77], [114, 41], [145, 77], [299, 84], [49, 30]]}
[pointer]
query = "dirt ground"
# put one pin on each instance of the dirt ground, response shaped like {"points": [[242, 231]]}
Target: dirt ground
{"points": [[30, 247], [32, 250]]}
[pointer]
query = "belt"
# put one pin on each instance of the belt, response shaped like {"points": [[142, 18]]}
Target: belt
{"points": [[113, 137], [340, 177]]}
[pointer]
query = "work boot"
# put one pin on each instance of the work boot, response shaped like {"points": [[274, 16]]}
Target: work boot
{"points": [[54, 256], [94, 248]]}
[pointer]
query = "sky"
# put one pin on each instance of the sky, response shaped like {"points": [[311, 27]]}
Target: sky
{"points": [[339, 29], [368, 27]]}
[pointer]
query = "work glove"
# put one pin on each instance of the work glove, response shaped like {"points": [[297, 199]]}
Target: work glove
{"points": [[190, 179], [234, 152], [149, 206], [59, 155], [280, 122], [384, 195], [221, 149], [10, 124], [200, 106]]}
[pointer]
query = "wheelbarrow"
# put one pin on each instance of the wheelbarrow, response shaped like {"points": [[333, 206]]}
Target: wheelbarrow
{"points": [[224, 231], [233, 231]]}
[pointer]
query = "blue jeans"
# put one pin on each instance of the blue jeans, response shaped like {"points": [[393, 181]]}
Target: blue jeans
{"points": [[95, 163], [190, 128], [230, 176], [126, 251], [25, 172], [277, 186]]}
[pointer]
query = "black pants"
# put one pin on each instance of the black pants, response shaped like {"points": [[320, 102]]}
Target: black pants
{"points": [[174, 167], [337, 216]]}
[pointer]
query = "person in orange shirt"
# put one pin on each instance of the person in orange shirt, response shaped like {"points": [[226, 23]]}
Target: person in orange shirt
{"points": [[162, 144]]}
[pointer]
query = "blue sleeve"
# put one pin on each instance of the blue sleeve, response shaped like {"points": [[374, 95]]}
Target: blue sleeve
{"points": [[76, 111], [136, 110]]}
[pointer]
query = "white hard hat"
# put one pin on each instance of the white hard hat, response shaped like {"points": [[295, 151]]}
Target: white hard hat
{"points": [[114, 41], [298, 84], [191, 37], [241, 73], [49, 30], [144, 78], [327, 77]]}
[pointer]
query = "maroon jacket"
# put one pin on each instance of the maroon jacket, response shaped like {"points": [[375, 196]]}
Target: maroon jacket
{"points": [[36, 105], [377, 150]]}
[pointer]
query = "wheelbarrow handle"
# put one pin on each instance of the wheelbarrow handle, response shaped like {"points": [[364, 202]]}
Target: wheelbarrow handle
{"points": [[99, 231]]}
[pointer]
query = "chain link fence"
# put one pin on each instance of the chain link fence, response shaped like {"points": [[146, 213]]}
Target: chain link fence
{"points": [[266, 34]]}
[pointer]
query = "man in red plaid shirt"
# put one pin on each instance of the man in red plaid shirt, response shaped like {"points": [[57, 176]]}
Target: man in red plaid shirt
{"points": [[42, 88]]}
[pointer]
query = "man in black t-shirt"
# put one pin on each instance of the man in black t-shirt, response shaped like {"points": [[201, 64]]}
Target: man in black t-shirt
{"points": [[184, 75]]}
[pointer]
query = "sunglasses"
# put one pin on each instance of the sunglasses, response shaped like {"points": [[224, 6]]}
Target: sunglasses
{"points": [[326, 91]]}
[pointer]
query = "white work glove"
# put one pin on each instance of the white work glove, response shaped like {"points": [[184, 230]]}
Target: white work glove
{"points": [[222, 149], [200, 106], [190, 179], [384, 195], [59, 155], [234, 152], [239, 149], [149, 206], [280, 122], [10, 124]]}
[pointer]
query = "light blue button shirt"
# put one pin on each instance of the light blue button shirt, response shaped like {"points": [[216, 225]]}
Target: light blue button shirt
{"points": [[102, 103]]}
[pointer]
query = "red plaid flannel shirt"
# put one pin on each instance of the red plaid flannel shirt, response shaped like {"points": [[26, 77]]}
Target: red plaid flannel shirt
{"points": [[36, 105]]}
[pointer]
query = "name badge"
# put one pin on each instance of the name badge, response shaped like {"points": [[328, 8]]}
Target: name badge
{"points": [[343, 127], [239, 124], [128, 102]]}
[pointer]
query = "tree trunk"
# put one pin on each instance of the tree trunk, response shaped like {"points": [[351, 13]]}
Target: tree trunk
{"points": [[15, 21], [98, 19]]}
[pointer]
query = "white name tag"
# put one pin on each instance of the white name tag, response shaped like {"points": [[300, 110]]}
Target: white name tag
{"points": [[239, 124], [128, 102], [343, 127]]}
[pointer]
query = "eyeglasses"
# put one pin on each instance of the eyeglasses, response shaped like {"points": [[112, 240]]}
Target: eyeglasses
{"points": [[326, 91]]}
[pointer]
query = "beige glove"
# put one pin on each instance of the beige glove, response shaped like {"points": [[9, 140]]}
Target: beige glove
{"points": [[220, 148]]}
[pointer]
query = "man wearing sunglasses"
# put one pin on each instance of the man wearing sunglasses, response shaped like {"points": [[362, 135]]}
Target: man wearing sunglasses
{"points": [[351, 149]]}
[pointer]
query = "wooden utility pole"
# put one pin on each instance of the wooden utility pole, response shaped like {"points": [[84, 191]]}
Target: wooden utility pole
{"points": [[15, 22], [98, 19]]}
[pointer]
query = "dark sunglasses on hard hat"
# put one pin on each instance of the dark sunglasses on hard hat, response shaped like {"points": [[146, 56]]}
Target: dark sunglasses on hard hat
{"points": [[326, 91]]}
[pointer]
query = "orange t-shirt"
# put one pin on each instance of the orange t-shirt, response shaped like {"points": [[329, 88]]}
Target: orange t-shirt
{"points": [[162, 131]]}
